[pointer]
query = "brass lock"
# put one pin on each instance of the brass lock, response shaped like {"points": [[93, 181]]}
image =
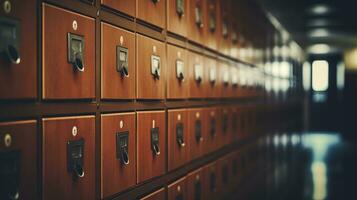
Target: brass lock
{"points": [[180, 70], [198, 15], [213, 127], [122, 140], [198, 72], [180, 7], [198, 131], [10, 39], [75, 47]]}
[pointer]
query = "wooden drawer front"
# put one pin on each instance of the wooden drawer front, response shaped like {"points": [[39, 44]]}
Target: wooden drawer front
{"points": [[150, 163], [177, 64], [177, 190], [18, 149], [150, 86], [197, 132], [157, 195], [196, 31], [197, 77], [195, 185], [63, 79], [225, 79], [212, 74], [18, 74], [177, 17], [118, 153], [211, 23], [213, 129], [118, 76], [211, 181], [178, 138], [127, 7], [151, 12], [63, 137]]}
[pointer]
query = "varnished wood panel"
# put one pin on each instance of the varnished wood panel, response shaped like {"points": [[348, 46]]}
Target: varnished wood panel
{"points": [[175, 23], [211, 34], [197, 147], [177, 190], [196, 89], [116, 177], [114, 85], [193, 178], [147, 86], [125, 6], [23, 138], [196, 33], [60, 79], [148, 164], [176, 88], [58, 182], [157, 195], [20, 80], [177, 154], [153, 13]]}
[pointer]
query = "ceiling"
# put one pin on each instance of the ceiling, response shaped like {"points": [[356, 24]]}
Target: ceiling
{"points": [[330, 22]]}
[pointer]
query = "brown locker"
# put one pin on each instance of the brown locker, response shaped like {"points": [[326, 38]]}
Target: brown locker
{"points": [[177, 190], [213, 129], [225, 79], [177, 16], [118, 153], [196, 20], [18, 152], [18, 60], [195, 185], [223, 27], [210, 183], [211, 71], [196, 132], [151, 68], [211, 20], [68, 54], [151, 144], [178, 138], [152, 11], [69, 157], [196, 76], [117, 63], [177, 73], [157, 195], [125, 6]]}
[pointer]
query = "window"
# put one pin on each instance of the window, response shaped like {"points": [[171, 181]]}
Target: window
{"points": [[320, 75]]}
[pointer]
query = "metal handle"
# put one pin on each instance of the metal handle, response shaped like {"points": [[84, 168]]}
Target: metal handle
{"points": [[13, 54], [181, 142], [124, 72], [156, 149], [125, 157], [78, 170], [78, 62]]}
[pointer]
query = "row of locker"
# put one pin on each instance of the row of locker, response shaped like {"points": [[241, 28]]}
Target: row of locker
{"points": [[207, 22], [216, 180], [134, 148], [133, 66]]}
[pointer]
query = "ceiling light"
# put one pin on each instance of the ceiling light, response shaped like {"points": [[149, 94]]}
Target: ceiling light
{"points": [[319, 49], [320, 9], [319, 32]]}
